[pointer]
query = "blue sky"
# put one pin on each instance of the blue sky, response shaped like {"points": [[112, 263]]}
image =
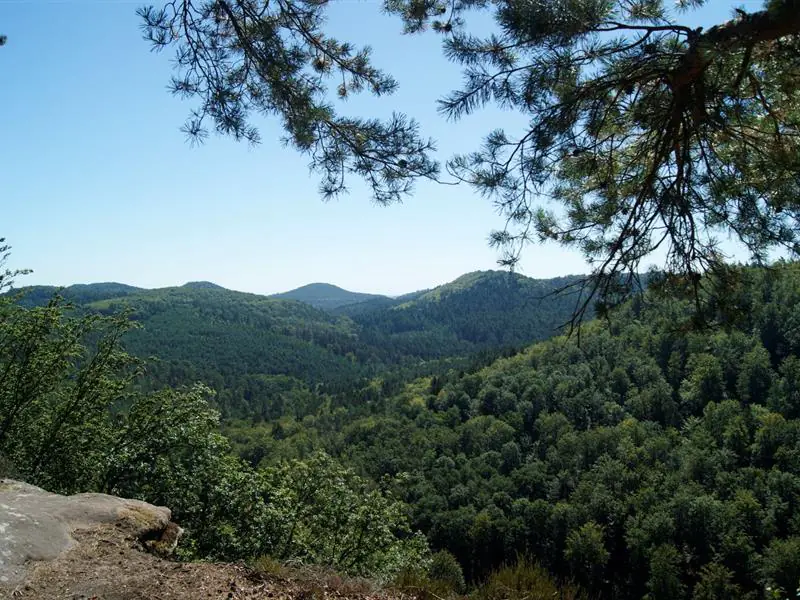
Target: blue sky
{"points": [[99, 184]]}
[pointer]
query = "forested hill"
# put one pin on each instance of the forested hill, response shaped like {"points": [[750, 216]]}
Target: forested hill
{"points": [[233, 339], [326, 296], [79, 293], [255, 349], [480, 310], [649, 459]]}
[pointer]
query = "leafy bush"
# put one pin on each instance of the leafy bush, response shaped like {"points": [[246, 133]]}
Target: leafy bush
{"points": [[446, 569], [420, 586], [524, 580], [782, 564], [716, 583], [61, 375], [327, 515]]}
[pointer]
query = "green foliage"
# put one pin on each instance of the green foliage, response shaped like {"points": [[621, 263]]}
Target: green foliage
{"points": [[646, 458], [61, 376], [325, 514], [313, 511], [782, 564], [704, 383], [168, 451], [586, 553], [665, 574], [446, 569], [716, 583], [524, 580]]}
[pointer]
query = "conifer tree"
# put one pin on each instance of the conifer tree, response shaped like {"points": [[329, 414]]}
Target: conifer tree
{"points": [[645, 131]]}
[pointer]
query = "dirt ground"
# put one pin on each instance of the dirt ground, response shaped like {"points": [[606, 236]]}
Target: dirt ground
{"points": [[108, 565]]}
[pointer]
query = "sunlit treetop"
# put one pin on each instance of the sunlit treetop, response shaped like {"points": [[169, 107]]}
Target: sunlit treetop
{"points": [[644, 132]]}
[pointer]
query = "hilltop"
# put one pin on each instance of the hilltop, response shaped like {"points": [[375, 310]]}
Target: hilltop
{"points": [[326, 296], [477, 311], [203, 285], [266, 353], [79, 293]]}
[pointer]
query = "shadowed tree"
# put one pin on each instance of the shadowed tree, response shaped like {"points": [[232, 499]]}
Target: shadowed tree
{"points": [[274, 58], [645, 132]]}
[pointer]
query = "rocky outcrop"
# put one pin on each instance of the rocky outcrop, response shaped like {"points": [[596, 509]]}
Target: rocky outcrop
{"points": [[37, 527], [99, 547]]}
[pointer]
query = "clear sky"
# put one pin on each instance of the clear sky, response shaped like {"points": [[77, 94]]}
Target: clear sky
{"points": [[97, 183]]}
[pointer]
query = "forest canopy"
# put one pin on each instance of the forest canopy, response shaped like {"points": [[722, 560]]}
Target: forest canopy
{"points": [[647, 459], [650, 460]]}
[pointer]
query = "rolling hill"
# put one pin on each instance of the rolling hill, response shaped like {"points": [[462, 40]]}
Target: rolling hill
{"points": [[477, 311], [205, 328], [326, 296], [79, 293], [259, 351]]}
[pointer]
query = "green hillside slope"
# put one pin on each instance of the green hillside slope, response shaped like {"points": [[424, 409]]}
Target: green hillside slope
{"points": [[199, 332], [264, 354], [78, 293], [485, 309], [326, 296], [649, 459]]}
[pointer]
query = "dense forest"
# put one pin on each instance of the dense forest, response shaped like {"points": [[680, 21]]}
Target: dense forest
{"points": [[251, 349], [327, 296], [652, 454], [481, 310], [649, 458]]}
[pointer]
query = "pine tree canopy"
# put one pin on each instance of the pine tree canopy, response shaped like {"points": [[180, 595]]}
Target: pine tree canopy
{"points": [[644, 131]]}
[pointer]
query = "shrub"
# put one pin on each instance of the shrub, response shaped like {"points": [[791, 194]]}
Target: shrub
{"points": [[446, 569], [524, 580]]}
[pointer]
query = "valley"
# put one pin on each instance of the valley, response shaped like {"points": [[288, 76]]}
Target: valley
{"points": [[622, 425], [647, 455], [250, 348]]}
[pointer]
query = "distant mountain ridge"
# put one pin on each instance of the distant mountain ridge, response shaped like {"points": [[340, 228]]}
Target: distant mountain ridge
{"points": [[326, 296], [79, 293], [254, 349], [203, 285]]}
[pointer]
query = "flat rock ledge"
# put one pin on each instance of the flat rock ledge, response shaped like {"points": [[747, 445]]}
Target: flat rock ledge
{"points": [[99, 547], [38, 527]]}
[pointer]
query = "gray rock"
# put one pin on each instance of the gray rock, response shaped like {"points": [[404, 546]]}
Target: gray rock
{"points": [[37, 526]]}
